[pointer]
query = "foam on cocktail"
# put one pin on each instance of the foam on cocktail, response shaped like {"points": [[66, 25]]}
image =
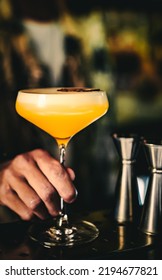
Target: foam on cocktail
{"points": [[53, 97]]}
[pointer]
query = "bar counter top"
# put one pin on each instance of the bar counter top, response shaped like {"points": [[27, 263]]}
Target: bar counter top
{"points": [[114, 241]]}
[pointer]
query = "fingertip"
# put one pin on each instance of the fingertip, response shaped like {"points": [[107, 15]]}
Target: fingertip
{"points": [[73, 198], [71, 173]]}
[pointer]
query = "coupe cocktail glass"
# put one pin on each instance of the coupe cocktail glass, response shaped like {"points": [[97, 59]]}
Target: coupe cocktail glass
{"points": [[62, 112]]}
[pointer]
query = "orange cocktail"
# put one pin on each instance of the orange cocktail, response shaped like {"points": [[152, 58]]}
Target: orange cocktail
{"points": [[61, 114]]}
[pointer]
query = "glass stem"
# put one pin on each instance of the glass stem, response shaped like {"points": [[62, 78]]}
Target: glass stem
{"points": [[63, 218]]}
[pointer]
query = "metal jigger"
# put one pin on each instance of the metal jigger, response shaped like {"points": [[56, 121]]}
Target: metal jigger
{"points": [[152, 210], [126, 200]]}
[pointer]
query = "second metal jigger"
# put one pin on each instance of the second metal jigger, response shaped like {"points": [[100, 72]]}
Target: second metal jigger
{"points": [[151, 219], [126, 200]]}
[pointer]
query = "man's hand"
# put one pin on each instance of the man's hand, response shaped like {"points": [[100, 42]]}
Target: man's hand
{"points": [[32, 183]]}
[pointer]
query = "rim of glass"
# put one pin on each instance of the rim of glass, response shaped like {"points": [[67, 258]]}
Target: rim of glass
{"points": [[62, 90]]}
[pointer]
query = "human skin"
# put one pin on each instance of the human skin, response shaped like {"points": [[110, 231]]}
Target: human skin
{"points": [[31, 185]]}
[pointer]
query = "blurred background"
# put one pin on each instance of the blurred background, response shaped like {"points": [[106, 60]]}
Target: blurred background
{"points": [[112, 45]]}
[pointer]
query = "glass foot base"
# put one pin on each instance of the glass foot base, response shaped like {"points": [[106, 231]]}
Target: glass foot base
{"points": [[50, 234]]}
